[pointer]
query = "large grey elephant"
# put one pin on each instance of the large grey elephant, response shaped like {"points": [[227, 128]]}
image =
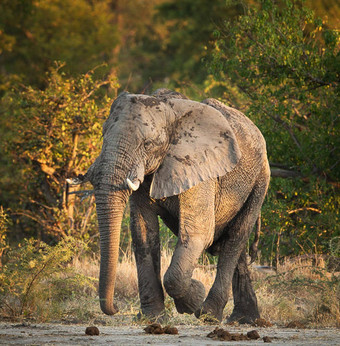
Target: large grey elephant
{"points": [[201, 167]]}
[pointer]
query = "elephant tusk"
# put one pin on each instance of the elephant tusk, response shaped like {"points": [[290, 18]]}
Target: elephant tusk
{"points": [[74, 181], [132, 186]]}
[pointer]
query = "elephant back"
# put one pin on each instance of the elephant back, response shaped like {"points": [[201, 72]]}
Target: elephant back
{"points": [[249, 138]]}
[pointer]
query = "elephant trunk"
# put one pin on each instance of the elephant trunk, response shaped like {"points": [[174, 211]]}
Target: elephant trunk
{"points": [[110, 210]]}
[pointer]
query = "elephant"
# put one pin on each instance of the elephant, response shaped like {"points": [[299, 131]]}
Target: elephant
{"points": [[202, 168]]}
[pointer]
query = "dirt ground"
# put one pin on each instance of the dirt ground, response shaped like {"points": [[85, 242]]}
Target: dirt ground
{"points": [[57, 334]]}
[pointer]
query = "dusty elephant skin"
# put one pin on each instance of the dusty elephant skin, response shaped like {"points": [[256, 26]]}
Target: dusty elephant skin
{"points": [[201, 167]]}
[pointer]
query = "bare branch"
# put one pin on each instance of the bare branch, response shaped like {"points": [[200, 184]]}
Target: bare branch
{"points": [[82, 192], [303, 209], [87, 216], [97, 86], [284, 173], [46, 169], [74, 153]]}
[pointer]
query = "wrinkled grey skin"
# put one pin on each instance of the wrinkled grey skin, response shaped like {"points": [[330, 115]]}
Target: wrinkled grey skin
{"points": [[201, 167]]}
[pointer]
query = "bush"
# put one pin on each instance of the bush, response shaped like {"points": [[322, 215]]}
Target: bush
{"points": [[298, 217], [311, 292], [50, 135], [4, 222], [35, 279], [285, 63]]}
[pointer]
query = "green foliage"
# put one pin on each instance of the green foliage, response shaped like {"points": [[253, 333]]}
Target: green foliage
{"points": [[140, 40], [299, 218], [273, 60], [35, 278], [334, 246], [163, 42], [53, 134], [285, 63], [4, 223], [167, 238], [188, 39], [33, 34]]}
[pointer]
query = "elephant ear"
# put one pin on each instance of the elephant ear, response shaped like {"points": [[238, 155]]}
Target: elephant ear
{"points": [[203, 147]]}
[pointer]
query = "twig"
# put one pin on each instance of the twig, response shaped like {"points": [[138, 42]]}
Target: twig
{"points": [[302, 209], [82, 192], [87, 215], [284, 173], [10, 308], [31, 284], [97, 86]]}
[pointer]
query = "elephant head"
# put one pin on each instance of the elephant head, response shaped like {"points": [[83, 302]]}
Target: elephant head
{"points": [[178, 141]]}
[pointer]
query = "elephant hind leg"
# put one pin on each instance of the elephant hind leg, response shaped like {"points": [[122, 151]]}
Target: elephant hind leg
{"points": [[146, 243], [245, 302]]}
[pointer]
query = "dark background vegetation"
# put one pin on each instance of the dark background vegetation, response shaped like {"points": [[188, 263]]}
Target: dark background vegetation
{"points": [[62, 62]]}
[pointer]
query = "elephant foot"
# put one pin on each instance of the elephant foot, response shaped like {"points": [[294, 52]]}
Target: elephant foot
{"points": [[243, 317], [151, 316], [192, 300], [210, 312], [151, 311]]}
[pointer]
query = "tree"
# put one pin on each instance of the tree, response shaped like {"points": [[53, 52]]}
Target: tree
{"points": [[53, 134], [140, 39], [190, 25], [34, 34], [285, 62]]}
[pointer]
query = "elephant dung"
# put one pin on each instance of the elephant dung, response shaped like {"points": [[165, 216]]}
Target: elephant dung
{"points": [[253, 334], [220, 334], [261, 322], [92, 331], [223, 335], [170, 330], [156, 328], [267, 339]]}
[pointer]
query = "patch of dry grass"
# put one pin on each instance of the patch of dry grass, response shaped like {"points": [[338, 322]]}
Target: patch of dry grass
{"points": [[126, 291], [300, 290]]}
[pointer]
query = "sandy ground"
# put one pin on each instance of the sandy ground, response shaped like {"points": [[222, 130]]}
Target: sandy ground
{"points": [[57, 334]]}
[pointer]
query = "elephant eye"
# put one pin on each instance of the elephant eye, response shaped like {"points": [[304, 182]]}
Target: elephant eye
{"points": [[148, 144]]}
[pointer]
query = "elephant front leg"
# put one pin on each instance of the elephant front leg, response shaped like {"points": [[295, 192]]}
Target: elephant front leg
{"points": [[245, 302], [188, 294], [146, 243], [196, 226]]}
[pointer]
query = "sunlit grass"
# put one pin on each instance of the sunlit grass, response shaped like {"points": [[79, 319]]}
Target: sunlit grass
{"points": [[300, 290]]}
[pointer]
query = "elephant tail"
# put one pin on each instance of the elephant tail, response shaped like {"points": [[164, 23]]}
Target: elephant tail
{"points": [[254, 246]]}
